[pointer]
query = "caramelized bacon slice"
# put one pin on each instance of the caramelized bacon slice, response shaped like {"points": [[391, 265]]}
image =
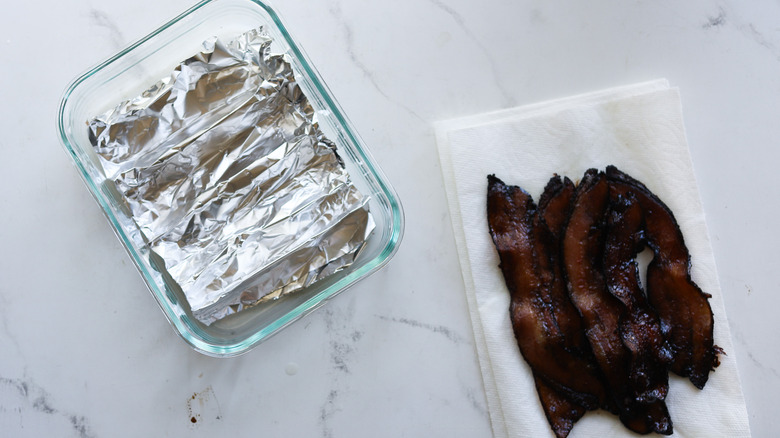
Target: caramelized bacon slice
{"points": [[683, 308], [561, 412], [549, 224], [639, 327], [536, 318], [583, 243], [554, 205], [550, 220]]}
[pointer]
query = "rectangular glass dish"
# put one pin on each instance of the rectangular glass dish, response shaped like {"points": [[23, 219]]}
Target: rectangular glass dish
{"points": [[133, 70]]}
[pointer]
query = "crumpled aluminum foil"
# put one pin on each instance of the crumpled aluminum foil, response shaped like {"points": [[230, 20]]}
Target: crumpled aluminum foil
{"points": [[237, 193]]}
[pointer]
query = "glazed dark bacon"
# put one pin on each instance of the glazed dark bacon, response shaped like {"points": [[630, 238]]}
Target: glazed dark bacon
{"points": [[554, 204], [560, 411], [602, 313], [581, 319], [639, 327], [539, 320], [685, 313]]}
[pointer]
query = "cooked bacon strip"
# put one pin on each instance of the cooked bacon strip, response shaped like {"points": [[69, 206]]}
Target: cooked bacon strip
{"points": [[561, 412], [535, 319], [554, 205], [683, 308], [640, 328], [583, 243], [549, 224]]}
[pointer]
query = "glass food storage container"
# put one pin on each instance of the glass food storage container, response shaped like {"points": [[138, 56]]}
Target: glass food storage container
{"points": [[135, 69]]}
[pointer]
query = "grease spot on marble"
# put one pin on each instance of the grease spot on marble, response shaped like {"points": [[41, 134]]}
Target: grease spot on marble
{"points": [[203, 406], [34, 404], [291, 369], [443, 38]]}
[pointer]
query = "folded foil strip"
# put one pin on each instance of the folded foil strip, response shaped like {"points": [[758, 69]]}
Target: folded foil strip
{"points": [[238, 195]]}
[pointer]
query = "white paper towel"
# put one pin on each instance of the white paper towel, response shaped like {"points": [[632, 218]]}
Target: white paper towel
{"points": [[640, 130]]}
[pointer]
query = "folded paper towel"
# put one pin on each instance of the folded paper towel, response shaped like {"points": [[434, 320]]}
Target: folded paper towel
{"points": [[639, 129]]}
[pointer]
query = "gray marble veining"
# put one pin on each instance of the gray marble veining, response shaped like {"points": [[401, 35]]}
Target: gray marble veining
{"points": [[24, 401], [506, 96], [101, 19], [393, 356]]}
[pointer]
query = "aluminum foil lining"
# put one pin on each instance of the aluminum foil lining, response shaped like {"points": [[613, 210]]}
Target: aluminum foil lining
{"points": [[236, 192]]}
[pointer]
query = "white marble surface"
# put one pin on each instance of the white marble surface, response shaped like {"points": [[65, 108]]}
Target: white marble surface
{"points": [[85, 351]]}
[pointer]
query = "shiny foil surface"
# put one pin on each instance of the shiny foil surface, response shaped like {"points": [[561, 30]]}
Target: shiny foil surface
{"points": [[237, 193]]}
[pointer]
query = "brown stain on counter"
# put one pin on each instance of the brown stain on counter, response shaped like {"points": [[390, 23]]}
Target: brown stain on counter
{"points": [[203, 405]]}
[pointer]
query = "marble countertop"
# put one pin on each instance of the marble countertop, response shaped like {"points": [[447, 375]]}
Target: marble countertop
{"points": [[86, 351]]}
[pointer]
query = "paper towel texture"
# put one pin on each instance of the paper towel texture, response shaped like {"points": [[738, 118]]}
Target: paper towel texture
{"points": [[640, 130]]}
